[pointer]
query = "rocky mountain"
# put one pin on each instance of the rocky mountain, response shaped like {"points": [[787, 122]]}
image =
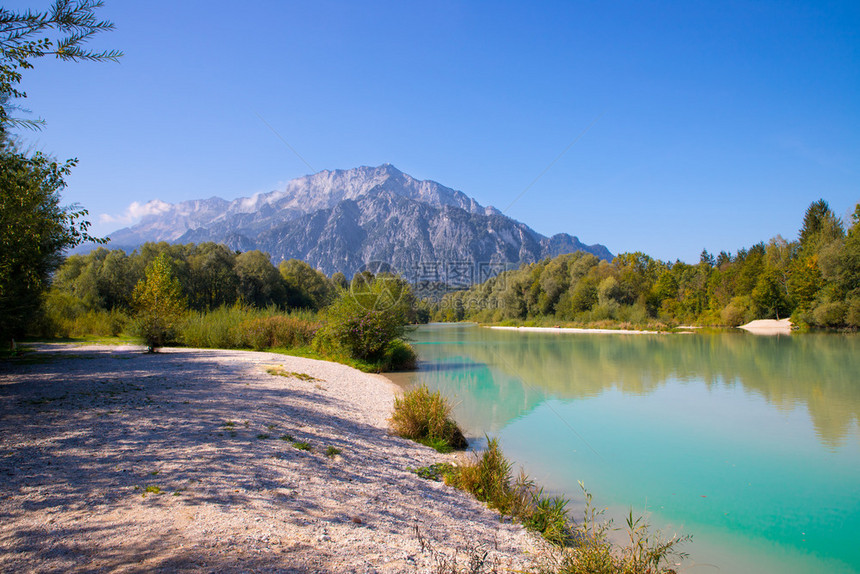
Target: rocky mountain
{"points": [[344, 219]]}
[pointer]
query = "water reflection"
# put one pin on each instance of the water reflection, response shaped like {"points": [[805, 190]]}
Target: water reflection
{"points": [[498, 376]]}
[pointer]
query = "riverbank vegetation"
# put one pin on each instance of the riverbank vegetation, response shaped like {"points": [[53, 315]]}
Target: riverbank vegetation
{"points": [[425, 417], [227, 299], [814, 280], [209, 296], [576, 547]]}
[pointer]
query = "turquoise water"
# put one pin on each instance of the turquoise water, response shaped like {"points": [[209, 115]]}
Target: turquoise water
{"points": [[751, 444]]}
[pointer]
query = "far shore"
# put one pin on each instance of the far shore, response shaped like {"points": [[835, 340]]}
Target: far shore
{"points": [[757, 327], [576, 330]]}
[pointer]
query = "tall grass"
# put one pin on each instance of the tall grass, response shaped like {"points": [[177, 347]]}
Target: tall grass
{"points": [[99, 323], [488, 478], [425, 417], [577, 548], [246, 328]]}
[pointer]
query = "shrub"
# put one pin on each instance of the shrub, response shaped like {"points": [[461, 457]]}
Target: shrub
{"points": [[852, 317], [65, 315], [736, 313], [830, 314], [548, 515], [247, 328], [158, 304], [488, 479], [424, 417], [399, 356], [364, 320], [216, 329], [360, 332]]}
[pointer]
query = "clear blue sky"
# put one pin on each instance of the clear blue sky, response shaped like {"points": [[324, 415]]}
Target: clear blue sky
{"points": [[712, 124]]}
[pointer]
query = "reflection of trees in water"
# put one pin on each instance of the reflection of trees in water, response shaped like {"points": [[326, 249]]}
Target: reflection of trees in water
{"points": [[819, 371]]}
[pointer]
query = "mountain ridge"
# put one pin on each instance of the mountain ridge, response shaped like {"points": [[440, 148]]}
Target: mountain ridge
{"points": [[341, 220]]}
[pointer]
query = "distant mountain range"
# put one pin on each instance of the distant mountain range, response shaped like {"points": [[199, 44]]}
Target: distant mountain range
{"points": [[343, 220]]}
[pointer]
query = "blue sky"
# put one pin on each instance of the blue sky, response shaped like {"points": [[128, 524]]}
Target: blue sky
{"points": [[693, 124]]}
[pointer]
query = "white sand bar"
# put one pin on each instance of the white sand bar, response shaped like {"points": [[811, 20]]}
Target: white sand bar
{"points": [[574, 330], [112, 460], [768, 327]]}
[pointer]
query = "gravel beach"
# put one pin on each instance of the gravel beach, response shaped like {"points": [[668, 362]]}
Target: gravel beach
{"points": [[190, 460]]}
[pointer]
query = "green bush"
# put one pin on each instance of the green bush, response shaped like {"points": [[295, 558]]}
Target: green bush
{"points": [[489, 479], [362, 325], [239, 327], [737, 312], [425, 417], [830, 314], [852, 317], [399, 356]]}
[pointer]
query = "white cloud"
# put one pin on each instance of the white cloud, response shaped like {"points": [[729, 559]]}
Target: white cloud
{"points": [[136, 211]]}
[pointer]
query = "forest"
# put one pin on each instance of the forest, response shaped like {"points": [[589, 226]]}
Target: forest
{"points": [[815, 280]]}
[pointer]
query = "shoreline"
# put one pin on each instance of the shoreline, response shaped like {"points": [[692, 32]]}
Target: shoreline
{"points": [[194, 459], [768, 327], [576, 330]]}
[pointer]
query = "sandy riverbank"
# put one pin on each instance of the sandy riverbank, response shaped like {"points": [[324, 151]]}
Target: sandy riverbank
{"points": [[114, 460], [575, 330], [768, 327]]}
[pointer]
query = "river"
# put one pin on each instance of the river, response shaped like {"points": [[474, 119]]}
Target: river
{"points": [[749, 443]]}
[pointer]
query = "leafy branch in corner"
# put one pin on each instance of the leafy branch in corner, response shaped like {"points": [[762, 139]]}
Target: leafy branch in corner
{"points": [[61, 32]]}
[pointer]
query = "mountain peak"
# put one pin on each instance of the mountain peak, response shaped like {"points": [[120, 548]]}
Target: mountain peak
{"points": [[337, 219]]}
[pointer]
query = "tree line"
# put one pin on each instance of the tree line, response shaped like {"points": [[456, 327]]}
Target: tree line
{"points": [[210, 275], [815, 280]]}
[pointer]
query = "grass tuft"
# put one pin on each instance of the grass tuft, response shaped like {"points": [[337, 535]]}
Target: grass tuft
{"points": [[425, 417], [281, 372], [582, 548], [435, 472]]}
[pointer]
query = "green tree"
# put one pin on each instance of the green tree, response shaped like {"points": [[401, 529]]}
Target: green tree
{"points": [[583, 296], [769, 296], [260, 284], [820, 226], [306, 287], [34, 229], [339, 280], [804, 282], [212, 276], [158, 304], [34, 232]]}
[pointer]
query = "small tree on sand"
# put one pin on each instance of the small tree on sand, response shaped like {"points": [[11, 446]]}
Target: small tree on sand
{"points": [[158, 304]]}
